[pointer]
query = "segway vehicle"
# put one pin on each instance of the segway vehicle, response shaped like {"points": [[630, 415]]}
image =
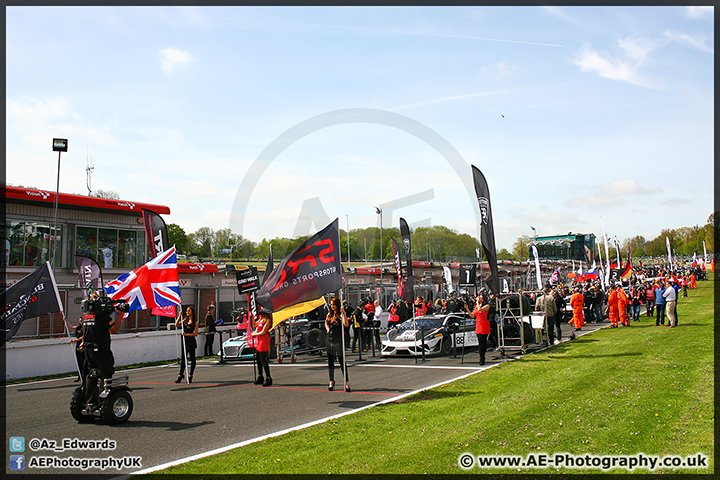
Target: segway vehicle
{"points": [[111, 399]]}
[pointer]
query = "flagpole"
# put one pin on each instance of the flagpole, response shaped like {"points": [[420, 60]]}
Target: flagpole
{"points": [[62, 312], [184, 353], [607, 254]]}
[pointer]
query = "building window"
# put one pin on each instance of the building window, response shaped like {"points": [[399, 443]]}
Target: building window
{"points": [[111, 247], [107, 247], [28, 243], [86, 242], [126, 251]]}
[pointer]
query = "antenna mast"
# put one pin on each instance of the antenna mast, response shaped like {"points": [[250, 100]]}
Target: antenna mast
{"points": [[89, 171]]}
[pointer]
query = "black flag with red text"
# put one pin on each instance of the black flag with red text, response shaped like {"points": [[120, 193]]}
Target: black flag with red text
{"points": [[34, 295], [310, 271]]}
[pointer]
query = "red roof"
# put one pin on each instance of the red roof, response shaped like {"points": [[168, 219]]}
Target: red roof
{"points": [[81, 202], [197, 268]]}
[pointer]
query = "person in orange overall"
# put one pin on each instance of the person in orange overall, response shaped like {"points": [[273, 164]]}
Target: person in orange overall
{"points": [[693, 283], [622, 302], [612, 305], [576, 302]]}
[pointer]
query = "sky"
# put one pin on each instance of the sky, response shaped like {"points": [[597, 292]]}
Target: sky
{"points": [[273, 121]]}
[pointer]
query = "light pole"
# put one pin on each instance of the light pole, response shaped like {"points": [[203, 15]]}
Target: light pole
{"points": [[347, 218], [59, 145], [379, 212]]}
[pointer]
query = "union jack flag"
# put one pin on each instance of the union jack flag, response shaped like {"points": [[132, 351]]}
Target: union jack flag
{"points": [[555, 276], [155, 284]]}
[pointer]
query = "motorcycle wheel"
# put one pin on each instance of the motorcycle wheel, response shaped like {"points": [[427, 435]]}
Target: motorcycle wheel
{"points": [[117, 407]]}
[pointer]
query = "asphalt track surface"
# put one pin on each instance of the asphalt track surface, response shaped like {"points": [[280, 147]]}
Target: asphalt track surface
{"points": [[222, 407]]}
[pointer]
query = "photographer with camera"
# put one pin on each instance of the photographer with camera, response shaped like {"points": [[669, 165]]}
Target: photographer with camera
{"points": [[97, 325]]}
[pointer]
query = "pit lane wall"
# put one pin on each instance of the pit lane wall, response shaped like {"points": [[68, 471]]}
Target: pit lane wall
{"points": [[49, 356]]}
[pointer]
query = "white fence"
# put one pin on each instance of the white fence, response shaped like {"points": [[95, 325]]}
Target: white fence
{"points": [[34, 358]]}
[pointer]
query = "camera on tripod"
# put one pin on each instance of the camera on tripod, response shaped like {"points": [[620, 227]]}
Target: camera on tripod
{"points": [[104, 305]]}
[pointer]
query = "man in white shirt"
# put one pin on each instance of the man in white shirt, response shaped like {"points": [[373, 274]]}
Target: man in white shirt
{"points": [[671, 304], [378, 321]]}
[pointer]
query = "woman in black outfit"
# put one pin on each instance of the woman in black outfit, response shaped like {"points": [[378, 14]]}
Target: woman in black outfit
{"points": [[334, 329], [209, 331], [189, 334]]}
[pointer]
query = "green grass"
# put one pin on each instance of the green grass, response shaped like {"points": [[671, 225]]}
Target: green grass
{"points": [[613, 392]]}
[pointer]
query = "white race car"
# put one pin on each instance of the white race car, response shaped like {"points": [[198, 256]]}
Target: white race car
{"points": [[440, 332]]}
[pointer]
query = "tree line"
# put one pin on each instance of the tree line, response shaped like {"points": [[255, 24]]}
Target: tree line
{"points": [[437, 243]]}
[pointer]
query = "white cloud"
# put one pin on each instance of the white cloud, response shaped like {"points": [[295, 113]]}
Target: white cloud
{"points": [[699, 12], [501, 70], [609, 194], [625, 67], [694, 41], [172, 59]]}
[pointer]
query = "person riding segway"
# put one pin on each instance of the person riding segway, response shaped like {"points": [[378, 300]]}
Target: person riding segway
{"points": [[113, 402]]}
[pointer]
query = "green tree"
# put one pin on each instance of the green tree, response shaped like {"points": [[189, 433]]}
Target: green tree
{"points": [[503, 254], [201, 241], [106, 194], [177, 237], [520, 247]]}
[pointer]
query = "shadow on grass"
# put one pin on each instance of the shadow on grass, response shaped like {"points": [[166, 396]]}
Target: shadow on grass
{"points": [[609, 355], [432, 395]]}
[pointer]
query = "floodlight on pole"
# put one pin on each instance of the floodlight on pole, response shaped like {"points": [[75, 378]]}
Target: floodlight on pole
{"points": [[59, 145]]}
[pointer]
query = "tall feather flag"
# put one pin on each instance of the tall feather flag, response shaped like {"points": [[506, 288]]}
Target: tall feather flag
{"points": [[538, 276], [409, 278], [34, 295], [398, 268], [155, 232], [607, 254], [487, 232], [155, 284], [297, 285], [89, 275], [667, 243]]}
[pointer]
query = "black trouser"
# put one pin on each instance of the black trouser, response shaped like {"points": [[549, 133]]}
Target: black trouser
{"points": [[100, 358], [482, 345], [550, 319], [190, 347], [660, 309], [376, 326], [332, 355], [357, 338], [209, 340], [82, 362], [262, 359]]}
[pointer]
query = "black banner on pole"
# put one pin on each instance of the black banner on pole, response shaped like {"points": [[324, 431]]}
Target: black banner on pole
{"points": [[409, 280], [155, 232], [247, 280], [468, 275], [487, 232]]}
